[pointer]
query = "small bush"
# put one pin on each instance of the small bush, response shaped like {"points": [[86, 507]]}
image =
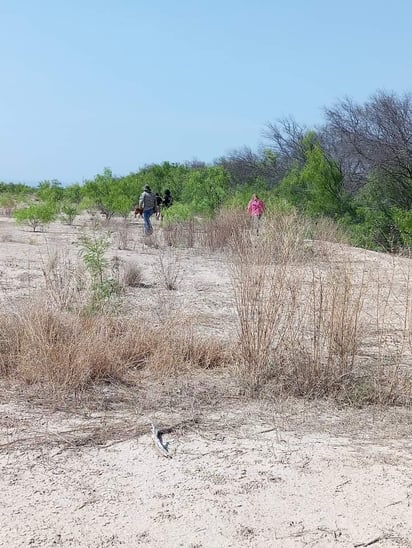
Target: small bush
{"points": [[121, 234], [177, 213], [168, 269], [69, 212], [181, 234], [218, 232], [104, 284], [36, 215], [132, 275], [65, 281]]}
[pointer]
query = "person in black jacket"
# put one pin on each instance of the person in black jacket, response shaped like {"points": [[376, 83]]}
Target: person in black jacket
{"points": [[167, 200]]}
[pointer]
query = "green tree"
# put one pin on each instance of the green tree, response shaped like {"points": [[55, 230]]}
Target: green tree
{"points": [[205, 189], [316, 187], [50, 191], [294, 188], [379, 220], [73, 193], [122, 203], [326, 195], [110, 194], [15, 188], [36, 215], [162, 176], [403, 223]]}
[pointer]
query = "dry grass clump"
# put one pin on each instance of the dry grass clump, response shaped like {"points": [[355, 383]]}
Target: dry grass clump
{"points": [[213, 234], [65, 280], [50, 346], [325, 229], [168, 269], [265, 296], [121, 234], [180, 348], [301, 328], [181, 233], [218, 232], [322, 359], [132, 275], [40, 344], [285, 238]]}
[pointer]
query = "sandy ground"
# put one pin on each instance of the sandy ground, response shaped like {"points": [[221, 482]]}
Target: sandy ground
{"points": [[253, 474], [242, 475]]}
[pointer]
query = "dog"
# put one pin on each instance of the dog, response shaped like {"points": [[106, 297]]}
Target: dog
{"points": [[138, 211]]}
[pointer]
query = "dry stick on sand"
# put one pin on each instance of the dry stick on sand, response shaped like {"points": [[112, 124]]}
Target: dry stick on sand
{"points": [[157, 434], [157, 438], [373, 541]]}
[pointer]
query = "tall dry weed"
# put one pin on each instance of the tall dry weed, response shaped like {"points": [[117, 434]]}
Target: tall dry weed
{"points": [[285, 236], [388, 337], [218, 231], [331, 330], [65, 279], [181, 233], [121, 234], [266, 292], [168, 269], [299, 317], [325, 229]]}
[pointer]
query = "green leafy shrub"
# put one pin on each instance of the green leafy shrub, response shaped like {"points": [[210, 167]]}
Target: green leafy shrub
{"points": [[104, 286], [50, 191], [110, 194], [205, 189], [403, 222], [372, 229], [36, 215], [69, 212], [177, 212]]}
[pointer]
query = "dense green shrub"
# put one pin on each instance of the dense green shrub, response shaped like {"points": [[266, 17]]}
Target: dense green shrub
{"points": [[36, 215]]}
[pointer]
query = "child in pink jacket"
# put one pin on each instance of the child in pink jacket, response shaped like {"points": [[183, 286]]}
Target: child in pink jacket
{"points": [[256, 207]]}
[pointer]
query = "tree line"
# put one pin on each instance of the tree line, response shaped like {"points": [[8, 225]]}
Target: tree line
{"points": [[355, 167]]}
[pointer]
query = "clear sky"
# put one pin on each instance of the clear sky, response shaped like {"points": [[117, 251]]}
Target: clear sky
{"points": [[123, 83]]}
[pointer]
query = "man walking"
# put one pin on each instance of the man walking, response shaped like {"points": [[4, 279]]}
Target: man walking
{"points": [[147, 202]]}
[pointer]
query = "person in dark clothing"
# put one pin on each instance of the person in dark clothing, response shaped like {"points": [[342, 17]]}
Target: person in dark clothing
{"points": [[167, 200], [159, 202]]}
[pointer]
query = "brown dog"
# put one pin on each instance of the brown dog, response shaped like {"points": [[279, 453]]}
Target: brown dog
{"points": [[138, 211]]}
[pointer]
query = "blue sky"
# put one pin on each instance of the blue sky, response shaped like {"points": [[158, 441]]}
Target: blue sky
{"points": [[123, 83]]}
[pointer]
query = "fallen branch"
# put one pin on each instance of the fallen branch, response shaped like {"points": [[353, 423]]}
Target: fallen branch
{"points": [[393, 503], [268, 430], [339, 487], [157, 438], [369, 543]]}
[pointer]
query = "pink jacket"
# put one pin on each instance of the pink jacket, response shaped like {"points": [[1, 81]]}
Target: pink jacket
{"points": [[255, 207]]}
